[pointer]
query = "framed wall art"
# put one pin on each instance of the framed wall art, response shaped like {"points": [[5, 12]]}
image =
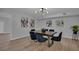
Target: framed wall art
{"points": [[32, 23], [24, 22], [59, 22], [49, 23]]}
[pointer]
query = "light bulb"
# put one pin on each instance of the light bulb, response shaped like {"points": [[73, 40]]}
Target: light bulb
{"points": [[47, 12], [35, 11]]}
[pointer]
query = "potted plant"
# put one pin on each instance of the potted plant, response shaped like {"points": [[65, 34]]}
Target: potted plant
{"points": [[75, 29]]}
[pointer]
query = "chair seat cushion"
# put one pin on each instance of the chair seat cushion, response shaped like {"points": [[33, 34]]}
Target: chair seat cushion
{"points": [[56, 35], [43, 40], [45, 37]]}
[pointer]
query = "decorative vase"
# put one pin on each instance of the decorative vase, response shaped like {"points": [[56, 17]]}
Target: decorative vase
{"points": [[75, 32]]}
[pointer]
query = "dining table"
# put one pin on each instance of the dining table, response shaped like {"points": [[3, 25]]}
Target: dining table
{"points": [[49, 35]]}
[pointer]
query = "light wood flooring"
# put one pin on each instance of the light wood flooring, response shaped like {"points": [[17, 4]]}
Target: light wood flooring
{"points": [[26, 44]]}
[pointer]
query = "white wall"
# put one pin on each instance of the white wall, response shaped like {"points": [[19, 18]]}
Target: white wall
{"points": [[6, 23], [17, 30], [13, 25], [1, 26], [66, 29]]}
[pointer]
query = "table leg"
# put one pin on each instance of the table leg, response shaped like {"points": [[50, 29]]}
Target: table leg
{"points": [[49, 42]]}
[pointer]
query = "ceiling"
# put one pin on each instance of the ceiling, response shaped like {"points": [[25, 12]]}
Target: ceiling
{"points": [[31, 11]]}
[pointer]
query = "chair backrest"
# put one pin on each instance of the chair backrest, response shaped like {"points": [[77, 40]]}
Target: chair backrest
{"points": [[43, 30], [33, 35], [39, 37], [52, 30], [32, 29], [46, 29], [60, 35]]}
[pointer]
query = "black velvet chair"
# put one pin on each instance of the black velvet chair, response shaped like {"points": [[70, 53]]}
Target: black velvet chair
{"points": [[43, 30], [40, 37], [33, 35], [52, 30], [57, 38], [32, 29], [46, 29]]}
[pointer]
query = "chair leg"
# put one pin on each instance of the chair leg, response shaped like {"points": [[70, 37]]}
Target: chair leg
{"points": [[52, 41], [51, 44]]}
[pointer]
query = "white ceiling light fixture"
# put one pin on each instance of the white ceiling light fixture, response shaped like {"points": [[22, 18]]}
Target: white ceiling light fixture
{"points": [[42, 11]]}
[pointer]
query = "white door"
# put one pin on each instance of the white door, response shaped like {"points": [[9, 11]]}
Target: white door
{"points": [[1, 26]]}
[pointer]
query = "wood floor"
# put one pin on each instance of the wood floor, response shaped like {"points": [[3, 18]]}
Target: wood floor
{"points": [[26, 44]]}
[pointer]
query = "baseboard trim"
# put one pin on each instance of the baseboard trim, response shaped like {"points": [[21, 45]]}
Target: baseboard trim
{"points": [[67, 37], [19, 37]]}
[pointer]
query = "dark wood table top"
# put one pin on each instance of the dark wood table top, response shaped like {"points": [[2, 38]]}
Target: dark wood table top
{"points": [[47, 33]]}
